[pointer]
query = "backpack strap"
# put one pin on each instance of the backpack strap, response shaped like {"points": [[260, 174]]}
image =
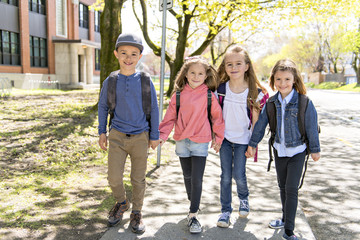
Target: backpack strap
{"points": [[146, 95], [303, 101], [221, 91], [111, 94], [249, 109], [209, 95], [305, 168], [271, 114], [177, 103]]}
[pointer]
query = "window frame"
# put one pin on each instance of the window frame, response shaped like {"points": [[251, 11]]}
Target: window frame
{"points": [[83, 16], [97, 21], [10, 2], [62, 18], [37, 6], [38, 52], [97, 59], [12, 55]]}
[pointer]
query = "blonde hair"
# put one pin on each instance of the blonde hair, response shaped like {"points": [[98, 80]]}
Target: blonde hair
{"points": [[288, 65], [249, 76], [211, 81]]}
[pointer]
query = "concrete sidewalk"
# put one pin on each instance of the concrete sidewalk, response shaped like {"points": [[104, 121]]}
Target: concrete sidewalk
{"points": [[166, 206]]}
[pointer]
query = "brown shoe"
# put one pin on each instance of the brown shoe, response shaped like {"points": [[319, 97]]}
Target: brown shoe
{"points": [[117, 212], [136, 223]]}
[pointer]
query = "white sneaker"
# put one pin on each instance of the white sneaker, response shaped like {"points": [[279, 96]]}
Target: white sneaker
{"points": [[276, 224], [194, 225]]}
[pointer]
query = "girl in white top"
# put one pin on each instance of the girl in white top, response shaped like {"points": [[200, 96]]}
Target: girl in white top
{"points": [[241, 96]]}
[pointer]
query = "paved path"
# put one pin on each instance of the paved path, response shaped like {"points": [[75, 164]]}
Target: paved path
{"points": [[330, 195], [166, 206]]}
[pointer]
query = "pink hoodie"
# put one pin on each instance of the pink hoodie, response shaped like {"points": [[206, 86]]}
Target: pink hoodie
{"points": [[193, 120]]}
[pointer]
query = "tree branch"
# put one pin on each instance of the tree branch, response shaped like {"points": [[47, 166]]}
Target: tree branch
{"points": [[144, 28]]}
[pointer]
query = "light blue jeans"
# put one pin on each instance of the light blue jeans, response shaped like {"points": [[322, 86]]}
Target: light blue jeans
{"points": [[188, 148], [233, 164]]}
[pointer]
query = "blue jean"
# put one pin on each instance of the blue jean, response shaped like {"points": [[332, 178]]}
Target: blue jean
{"points": [[233, 164], [187, 148]]}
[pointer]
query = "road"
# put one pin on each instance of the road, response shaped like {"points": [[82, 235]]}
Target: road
{"points": [[330, 197]]}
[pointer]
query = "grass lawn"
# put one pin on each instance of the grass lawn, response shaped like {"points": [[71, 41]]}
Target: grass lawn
{"points": [[52, 172], [335, 86], [350, 87]]}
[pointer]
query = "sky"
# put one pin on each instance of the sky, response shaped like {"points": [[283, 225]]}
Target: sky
{"points": [[130, 24]]}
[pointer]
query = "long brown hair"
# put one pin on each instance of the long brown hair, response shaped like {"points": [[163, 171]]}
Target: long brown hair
{"points": [[288, 65], [212, 79], [249, 76]]}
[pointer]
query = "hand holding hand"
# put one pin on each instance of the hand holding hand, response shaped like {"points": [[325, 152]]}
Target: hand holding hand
{"points": [[103, 141], [162, 141], [215, 146], [154, 143], [250, 152]]}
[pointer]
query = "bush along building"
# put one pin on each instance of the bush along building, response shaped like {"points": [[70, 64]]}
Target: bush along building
{"points": [[49, 44]]}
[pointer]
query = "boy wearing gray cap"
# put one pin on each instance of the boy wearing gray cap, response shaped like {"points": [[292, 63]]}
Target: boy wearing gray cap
{"points": [[130, 132]]}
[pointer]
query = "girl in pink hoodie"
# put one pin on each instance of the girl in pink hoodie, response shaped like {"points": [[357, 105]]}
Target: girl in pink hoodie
{"points": [[193, 131]]}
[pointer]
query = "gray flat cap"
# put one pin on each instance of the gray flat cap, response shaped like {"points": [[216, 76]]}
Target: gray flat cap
{"points": [[129, 39]]}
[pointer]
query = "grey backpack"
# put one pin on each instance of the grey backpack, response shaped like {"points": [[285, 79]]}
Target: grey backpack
{"points": [[145, 92]]}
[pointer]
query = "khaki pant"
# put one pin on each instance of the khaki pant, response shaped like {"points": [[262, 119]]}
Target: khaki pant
{"points": [[120, 146]]}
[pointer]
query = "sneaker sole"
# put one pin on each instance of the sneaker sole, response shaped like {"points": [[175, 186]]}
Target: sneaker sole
{"points": [[198, 231], [137, 231], [222, 224], [272, 227], [110, 224], [243, 215], [282, 237]]}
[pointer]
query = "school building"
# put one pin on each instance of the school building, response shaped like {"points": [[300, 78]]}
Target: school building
{"points": [[49, 44]]}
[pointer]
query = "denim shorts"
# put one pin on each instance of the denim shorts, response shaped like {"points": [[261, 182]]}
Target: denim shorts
{"points": [[188, 148]]}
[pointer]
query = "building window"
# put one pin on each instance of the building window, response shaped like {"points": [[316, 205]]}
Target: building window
{"points": [[97, 21], [83, 16], [38, 52], [61, 22], [97, 59], [11, 2], [37, 6], [10, 48]]}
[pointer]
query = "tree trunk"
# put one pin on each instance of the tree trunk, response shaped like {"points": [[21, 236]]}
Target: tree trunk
{"points": [[356, 67], [174, 69], [110, 28]]}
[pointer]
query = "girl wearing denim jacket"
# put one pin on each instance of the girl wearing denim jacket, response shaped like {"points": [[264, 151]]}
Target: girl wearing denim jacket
{"points": [[290, 150]]}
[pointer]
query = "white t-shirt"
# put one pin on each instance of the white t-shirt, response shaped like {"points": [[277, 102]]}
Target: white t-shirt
{"points": [[236, 117]]}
